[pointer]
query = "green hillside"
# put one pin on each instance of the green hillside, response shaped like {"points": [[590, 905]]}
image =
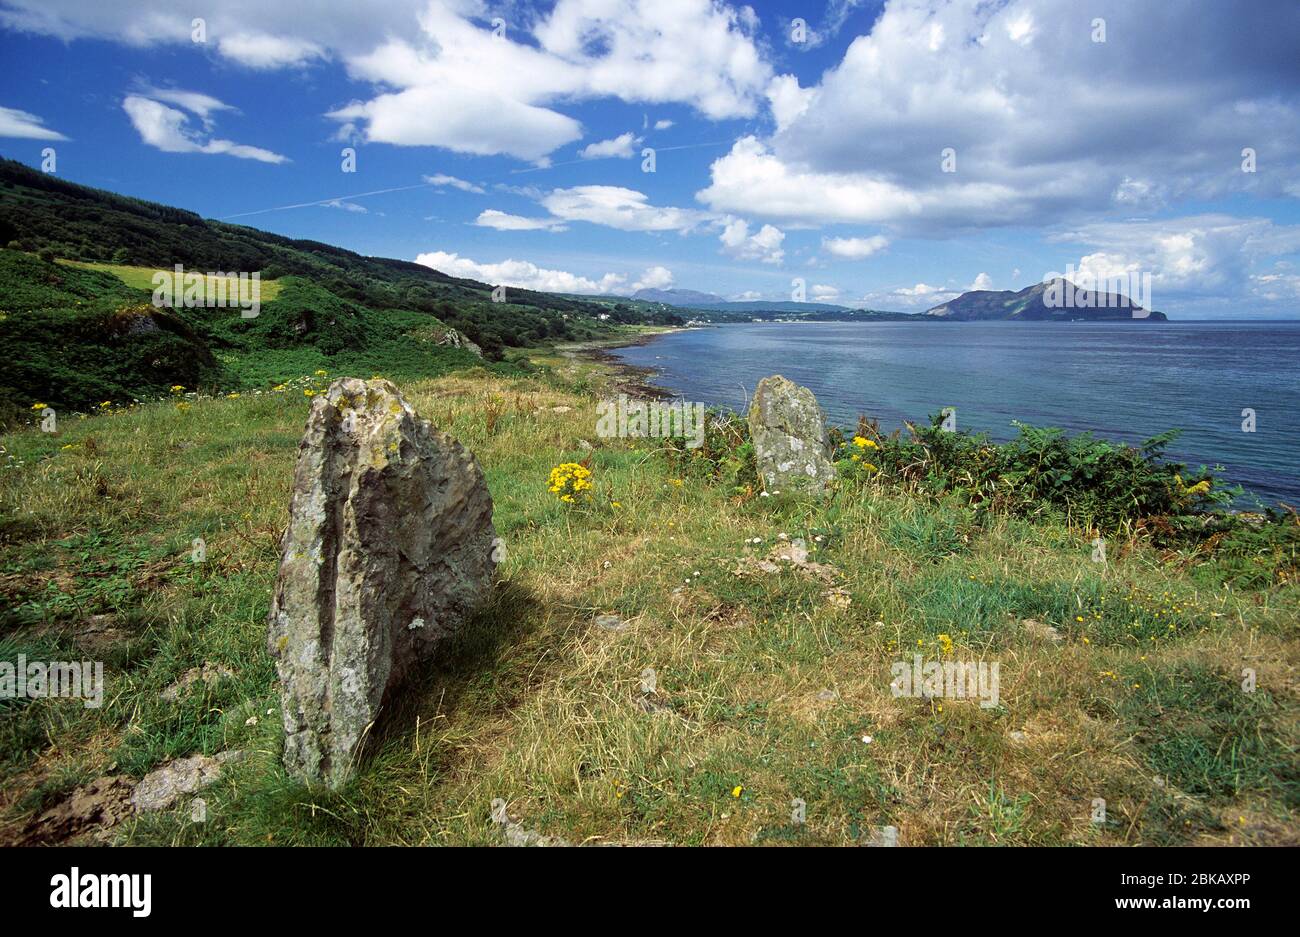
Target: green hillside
{"points": [[77, 326]]}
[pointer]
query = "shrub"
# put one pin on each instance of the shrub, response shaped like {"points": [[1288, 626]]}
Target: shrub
{"points": [[1099, 483]]}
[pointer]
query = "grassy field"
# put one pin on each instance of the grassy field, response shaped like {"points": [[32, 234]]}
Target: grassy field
{"points": [[141, 278], [1119, 681]]}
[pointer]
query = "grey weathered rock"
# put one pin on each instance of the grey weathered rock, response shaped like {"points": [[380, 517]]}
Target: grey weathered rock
{"points": [[389, 546], [788, 429], [458, 340], [163, 786]]}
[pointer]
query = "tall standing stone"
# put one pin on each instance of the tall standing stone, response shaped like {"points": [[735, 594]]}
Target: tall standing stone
{"points": [[389, 546], [788, 430]]}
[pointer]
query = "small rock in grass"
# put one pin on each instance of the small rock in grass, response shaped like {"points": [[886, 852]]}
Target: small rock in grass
{"points": [[839, 598], [163, 786], [611, 623], [1041, 631]]}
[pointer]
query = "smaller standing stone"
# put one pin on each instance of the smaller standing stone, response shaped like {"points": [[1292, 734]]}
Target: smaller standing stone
{"points": [[788, 429]]}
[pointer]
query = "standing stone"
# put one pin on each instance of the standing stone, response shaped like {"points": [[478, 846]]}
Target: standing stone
{"points": [[788, 429], [389, 546]]}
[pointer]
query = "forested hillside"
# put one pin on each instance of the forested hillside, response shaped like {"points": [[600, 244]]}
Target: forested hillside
{"points": [[73, 338]]}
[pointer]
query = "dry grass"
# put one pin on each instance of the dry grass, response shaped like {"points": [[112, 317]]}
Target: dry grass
{"points": [[765, 684]]}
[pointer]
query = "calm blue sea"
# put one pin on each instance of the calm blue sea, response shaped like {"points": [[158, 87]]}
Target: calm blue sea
{"points": [[1124, 381]]}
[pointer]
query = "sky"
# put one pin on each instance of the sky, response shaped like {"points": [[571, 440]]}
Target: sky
{"points": [[887, 154]]}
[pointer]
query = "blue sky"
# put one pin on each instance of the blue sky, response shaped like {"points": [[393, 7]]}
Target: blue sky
{"points": [[1106, 137]]}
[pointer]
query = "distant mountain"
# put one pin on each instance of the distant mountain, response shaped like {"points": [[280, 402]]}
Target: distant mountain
{"points": [[1057, 300], [758, 305], [676, 297]]}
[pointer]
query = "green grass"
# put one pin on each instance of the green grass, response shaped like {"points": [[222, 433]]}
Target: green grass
{"points": [[766, 683], [142, 278]]}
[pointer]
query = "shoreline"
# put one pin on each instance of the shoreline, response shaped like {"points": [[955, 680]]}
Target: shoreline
{"points": [[629, 379]]}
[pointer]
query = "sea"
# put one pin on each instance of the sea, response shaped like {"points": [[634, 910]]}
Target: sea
{"points": [[1231, 387]]}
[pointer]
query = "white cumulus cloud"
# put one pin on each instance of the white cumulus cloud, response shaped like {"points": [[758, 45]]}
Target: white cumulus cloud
{"points": [[620, 147], [167, 129], [763, 245], [15, 123], [502, 221], [855, 248], [618, 207]]}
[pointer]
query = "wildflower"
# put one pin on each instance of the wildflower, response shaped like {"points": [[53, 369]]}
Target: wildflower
{"points": [[177, 388], [737, 790], [234, 395], [183, 406], [863, 443], [308, 392], [570, 482], [39, 406], [278, 388], [945, 642], [321, 373]]}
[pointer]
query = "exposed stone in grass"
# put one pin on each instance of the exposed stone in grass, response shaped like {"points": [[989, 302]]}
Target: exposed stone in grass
{"points": [[790, 554], [163, 786], [457, 339], [788, 429], [390, 525], [208, 674], [612, 623], [1041, 631], [838, 598], [515, 834]]}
